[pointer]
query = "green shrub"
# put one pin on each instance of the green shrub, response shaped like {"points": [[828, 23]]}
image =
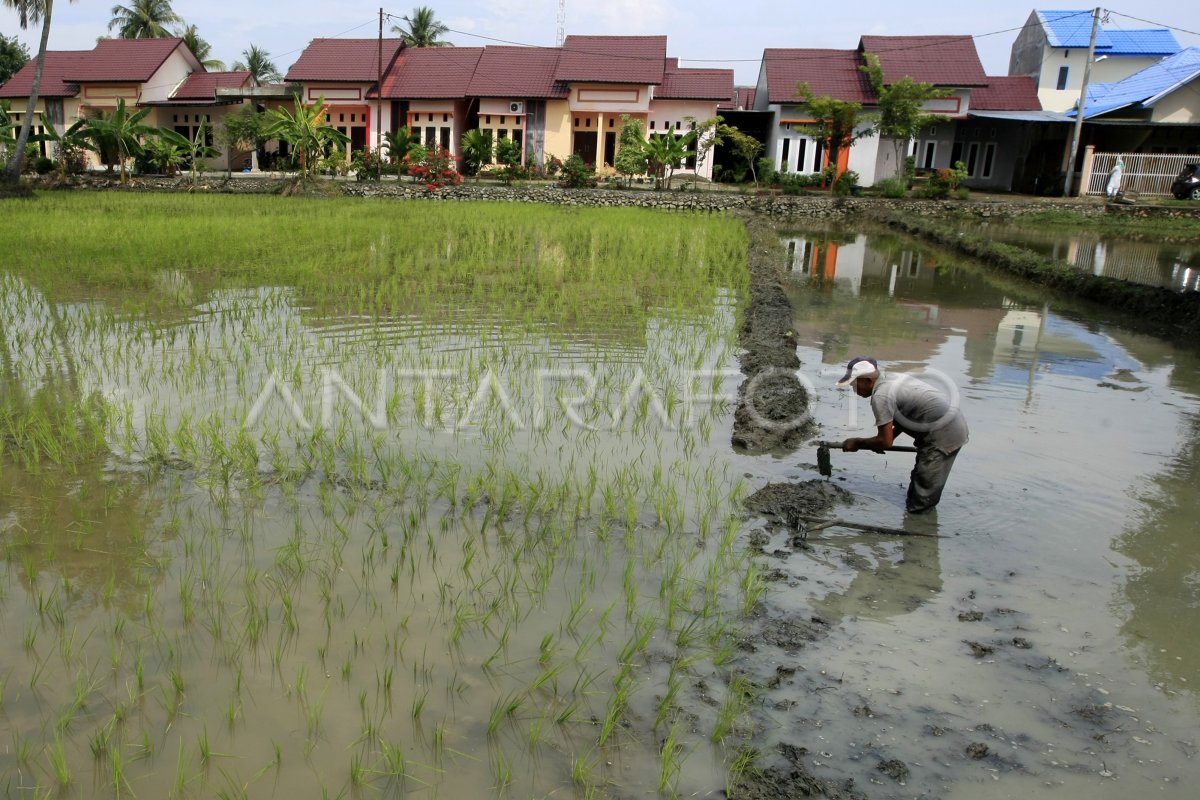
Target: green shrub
{"points": [[846, 184], [766, 172], [894, 188], [43, 165], [576, 174]]}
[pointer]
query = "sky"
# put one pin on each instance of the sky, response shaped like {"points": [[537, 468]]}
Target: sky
{"points": [[704, 33]]}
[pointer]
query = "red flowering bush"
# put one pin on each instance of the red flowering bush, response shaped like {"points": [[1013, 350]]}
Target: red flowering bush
{"points": [[436, 169]]}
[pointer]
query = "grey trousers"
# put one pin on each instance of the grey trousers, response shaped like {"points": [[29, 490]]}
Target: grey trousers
{"points": [[928, 478]]}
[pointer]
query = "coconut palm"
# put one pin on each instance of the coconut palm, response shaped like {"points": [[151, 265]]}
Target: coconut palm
{"points": [[259, 64], [201, 49], [423, 29], [144, 19], [29, 11]]}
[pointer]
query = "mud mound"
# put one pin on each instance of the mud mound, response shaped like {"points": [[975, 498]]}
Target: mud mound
{"points": [[787, 501]]}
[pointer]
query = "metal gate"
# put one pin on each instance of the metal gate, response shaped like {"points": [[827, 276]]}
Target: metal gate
{"points": [[1144, 173]]}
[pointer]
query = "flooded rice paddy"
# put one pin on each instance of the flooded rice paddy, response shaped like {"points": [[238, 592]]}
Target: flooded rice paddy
{"points": [[1048, 644], [398, 499]]}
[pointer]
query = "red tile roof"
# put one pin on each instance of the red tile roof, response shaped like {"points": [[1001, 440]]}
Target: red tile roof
{"points": [[431, 73], [940, 60], [58, 64], [200, 88], [125, 60], [343, 60], [1016, 93], [613, 59], [827, 72], [516, 72], [695, 84]]}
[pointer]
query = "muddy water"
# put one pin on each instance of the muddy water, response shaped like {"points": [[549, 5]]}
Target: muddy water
{"points": [[1048, 644]]}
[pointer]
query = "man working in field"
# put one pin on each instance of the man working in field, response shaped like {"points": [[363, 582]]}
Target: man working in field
{"points": [[903, 404]]}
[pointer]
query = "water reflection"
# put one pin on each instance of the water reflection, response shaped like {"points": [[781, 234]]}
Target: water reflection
{"points": [[1172, 266]]}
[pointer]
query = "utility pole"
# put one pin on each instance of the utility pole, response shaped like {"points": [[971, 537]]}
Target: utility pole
{"points": [[1082, 106], [379, 90], [562, 23]]}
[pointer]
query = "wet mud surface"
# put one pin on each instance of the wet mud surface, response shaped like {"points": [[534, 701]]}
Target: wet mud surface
{"points": [[818, 733], [772, 409]]}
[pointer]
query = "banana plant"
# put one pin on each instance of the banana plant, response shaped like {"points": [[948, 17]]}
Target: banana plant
{"points": [[306, 130], [121, 131], [664, 154], [199, 148], [66, 144], [166, 150]]}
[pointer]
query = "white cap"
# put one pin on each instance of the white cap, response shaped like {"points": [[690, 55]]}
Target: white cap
{"points": [[858, 367]]}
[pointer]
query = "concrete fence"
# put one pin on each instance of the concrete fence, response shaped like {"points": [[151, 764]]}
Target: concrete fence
{"points": [[1149, 174]]}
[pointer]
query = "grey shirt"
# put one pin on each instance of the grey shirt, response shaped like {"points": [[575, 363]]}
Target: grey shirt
{"points": [[920, 410]]}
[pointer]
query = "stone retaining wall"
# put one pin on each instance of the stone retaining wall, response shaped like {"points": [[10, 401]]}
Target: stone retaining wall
{"points": [[800, 206]]}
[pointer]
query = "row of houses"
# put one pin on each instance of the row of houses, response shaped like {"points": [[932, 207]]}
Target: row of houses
{"points": [[1010, 132]]}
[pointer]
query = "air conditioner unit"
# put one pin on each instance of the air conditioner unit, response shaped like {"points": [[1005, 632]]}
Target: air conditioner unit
{"points": [[516, 107]]}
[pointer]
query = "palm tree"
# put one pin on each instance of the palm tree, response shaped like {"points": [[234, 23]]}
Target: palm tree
{"points": [[664, 152], [29, 11], [200, 48], [423, 29], [144, 19], [259, 64]]}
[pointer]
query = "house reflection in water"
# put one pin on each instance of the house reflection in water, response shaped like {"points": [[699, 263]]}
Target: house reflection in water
{"points": [[878, 294]]}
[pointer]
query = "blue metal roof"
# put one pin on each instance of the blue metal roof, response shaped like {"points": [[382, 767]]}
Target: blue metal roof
{"points": [[1073, 29], [1144, 88], [1148, 42]]}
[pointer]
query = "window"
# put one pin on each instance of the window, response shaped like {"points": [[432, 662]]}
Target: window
{"points": [[989, 156], [1062, 77], [430, 137], [651, 124], [783, 156], [502, 133], [487, 119], [802, 145], [956, 153], [972, 158], [503, 119], [516, 136], [445, 117], [445, 138], [930, 154]]}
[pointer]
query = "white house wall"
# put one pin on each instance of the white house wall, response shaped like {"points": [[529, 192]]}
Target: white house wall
{"points": [[864, 156], [167, 78]]}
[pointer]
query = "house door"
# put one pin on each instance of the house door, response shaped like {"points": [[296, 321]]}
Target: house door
{"points": [[585, 146], [610, 147]]}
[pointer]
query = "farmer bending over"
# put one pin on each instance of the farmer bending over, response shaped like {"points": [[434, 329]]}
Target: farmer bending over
{"points": [[903, 404]]}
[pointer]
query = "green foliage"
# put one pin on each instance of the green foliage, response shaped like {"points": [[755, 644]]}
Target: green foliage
{"points": [[508, 153], [766, 172], [901, 116], [307, 131], [944, 181], [367, 165], [201, 48], [576, 174], [631, 148], [665, 152], [846, 184], [13, 55], [166, 150], [476, 150], [422, 29], [198, 148], [837, 121], [118, 135], [69, 146], [894, 188], [400, 143], [746, 147], [258, 63], [435, 169], [144, 19]]}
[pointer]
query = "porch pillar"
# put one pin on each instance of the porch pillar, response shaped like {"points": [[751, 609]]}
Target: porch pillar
{"points": [[1085, 178], [599, 140]]}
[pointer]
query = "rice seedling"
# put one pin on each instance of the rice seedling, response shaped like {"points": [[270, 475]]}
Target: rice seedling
{"points": [[480, 515]]}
